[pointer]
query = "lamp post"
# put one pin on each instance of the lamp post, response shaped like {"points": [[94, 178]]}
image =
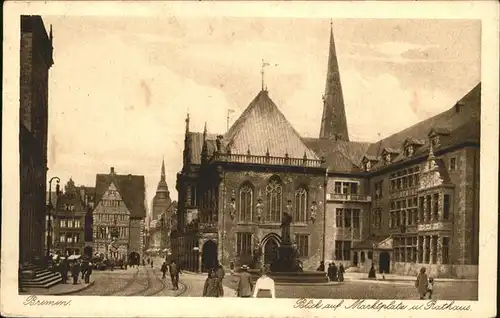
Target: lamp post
{"points": [[49, 213]]}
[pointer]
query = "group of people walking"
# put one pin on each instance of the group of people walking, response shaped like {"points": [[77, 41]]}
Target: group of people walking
{"points": [[334, 273], [76, 268], [174, 270]]}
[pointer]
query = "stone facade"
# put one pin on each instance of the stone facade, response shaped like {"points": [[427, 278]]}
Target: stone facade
{"points": [[35, 62], [406, 201]]}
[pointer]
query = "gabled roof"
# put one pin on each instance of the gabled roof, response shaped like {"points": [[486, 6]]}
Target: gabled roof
{"points": [[340, 156], [132, 188], [391, 150], [261, 128], [458, 124]]}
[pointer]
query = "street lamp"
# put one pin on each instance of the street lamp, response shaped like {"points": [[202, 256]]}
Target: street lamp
{"points": [[49, 209]]}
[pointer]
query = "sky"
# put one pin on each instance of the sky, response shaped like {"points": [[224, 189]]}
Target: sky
{"points": [[120, 88]]}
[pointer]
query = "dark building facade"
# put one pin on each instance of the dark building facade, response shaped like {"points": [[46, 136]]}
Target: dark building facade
{"points": [[36, 60], [71, 210], [406, 201]]}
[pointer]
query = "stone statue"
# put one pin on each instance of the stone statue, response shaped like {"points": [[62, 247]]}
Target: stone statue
{"points": [[285, 228]]}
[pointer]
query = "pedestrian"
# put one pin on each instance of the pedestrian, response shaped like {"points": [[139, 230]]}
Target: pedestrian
{"points": [[334, 272], [330, 272], [372, 274], [245, 285], [151, 263], [164, 269], [174, 275], [422, 283], [88, 272], [321, 267], [211, 288], [220, 275], [430, 287], [341, 273], [75, 271], [231, 268], [264, 283]]}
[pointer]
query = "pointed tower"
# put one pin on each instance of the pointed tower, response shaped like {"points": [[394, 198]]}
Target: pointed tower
{"points": [[334, 121], [161, 200]]}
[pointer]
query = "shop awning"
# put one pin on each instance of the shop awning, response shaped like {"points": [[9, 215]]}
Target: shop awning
{"points": [[73, 257]]}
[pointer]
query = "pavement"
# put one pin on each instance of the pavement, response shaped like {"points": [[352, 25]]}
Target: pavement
{"points": [[59, 289], [355, 276]]}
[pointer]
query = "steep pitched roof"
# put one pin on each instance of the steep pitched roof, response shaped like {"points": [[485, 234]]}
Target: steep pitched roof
{"points": [[262, 127], [132, 188], [196, 145], [465, 113], [340, 156]]}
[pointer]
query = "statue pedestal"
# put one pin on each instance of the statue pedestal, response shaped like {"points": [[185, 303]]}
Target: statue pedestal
{"points": [[286, 260]]}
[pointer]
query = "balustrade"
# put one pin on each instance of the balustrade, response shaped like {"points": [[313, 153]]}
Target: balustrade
{"points": [[269, 160]]}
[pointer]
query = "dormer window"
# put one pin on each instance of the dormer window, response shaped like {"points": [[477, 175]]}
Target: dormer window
{"points": [[409, 151], [387, 158], [368, 165], [435, 141]]}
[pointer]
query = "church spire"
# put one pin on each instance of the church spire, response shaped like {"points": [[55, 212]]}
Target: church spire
{"points": [[333, 121], [163, 169]]}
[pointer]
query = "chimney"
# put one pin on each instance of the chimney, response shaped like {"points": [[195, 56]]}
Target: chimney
{"points": [[112, 171], [82, 194]]}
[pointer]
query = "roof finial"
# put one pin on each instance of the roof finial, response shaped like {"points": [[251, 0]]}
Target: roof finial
{"points": [[205, 131], [264, 64], [331, 24]]}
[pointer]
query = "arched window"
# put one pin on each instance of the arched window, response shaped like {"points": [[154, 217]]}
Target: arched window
{"points": [[274, 200], [246, 202], [300, 213]]}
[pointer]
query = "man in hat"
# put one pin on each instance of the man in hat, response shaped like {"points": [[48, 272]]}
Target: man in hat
{"points": [[245, 285]]}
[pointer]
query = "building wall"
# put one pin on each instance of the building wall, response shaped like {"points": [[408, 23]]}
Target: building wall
{"points": [[228, 228], [136, 236], [334, 233], [104, 221], [35, 61]]}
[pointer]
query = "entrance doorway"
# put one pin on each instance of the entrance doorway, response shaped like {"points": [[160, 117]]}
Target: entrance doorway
{"points": [[355, 259], [87, 251], [270, 250], [134, 258], [209, 255], [384, 262]]}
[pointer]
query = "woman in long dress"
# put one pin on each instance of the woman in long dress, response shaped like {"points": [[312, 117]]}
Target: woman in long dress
{"points": [[211, 288], [421, 283]]}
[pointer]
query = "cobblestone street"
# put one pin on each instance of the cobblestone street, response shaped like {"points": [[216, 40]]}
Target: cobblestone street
{"points": [[142, 281]]}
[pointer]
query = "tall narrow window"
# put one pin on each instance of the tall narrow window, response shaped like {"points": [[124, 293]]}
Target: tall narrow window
{"points": [[446, 207], [243, 243], [420, 256], [355, 218], [434, 248], [338, 250], [246, 196], [274, 201], [429, 207], [339, 218], [300, 214], [347, 218], [435, 208]]}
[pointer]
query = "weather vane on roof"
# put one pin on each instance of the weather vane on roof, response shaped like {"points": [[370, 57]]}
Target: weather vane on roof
{"points": [[264, 64]]}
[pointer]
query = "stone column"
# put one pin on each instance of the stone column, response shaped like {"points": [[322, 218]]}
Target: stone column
{"points": [[424, 248], [439, 250], [431, 256]]}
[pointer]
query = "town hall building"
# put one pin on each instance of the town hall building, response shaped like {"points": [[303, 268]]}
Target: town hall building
{"points": [[406, 201]]}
